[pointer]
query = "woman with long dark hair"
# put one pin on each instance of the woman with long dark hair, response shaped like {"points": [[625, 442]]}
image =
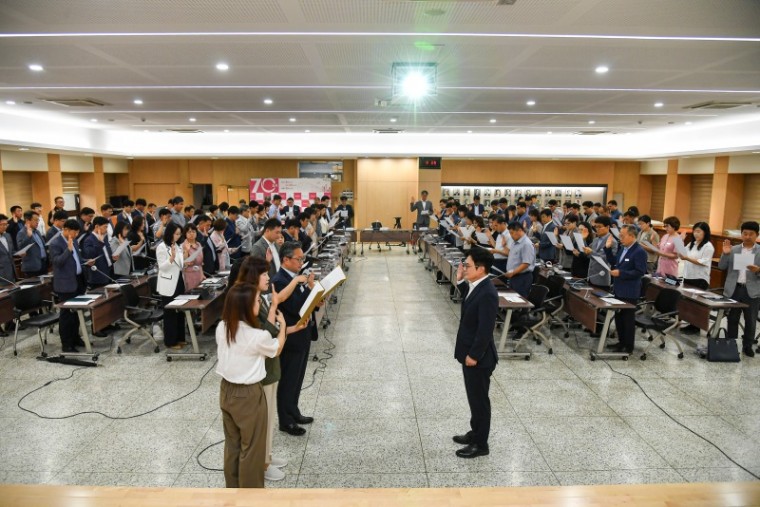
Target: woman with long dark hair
{"points": [[242, 348], [699, 255], [170, 284]]}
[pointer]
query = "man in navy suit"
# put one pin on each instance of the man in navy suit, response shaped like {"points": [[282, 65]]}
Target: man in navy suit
{"points": [[97, 248], [68, 281], [291, 210], [295, 354], [35, 262], [475, 348], [629, 266], [476, 207]]}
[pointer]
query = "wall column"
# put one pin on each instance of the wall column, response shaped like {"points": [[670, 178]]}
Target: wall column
{"points": [[727, 197], [92, 186], [46, 186], [677, 193]]}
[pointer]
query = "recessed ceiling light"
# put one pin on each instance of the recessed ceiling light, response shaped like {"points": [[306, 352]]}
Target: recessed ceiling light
{"points": [[393, 120], [23, 149], [10, 102], [146, 130], [591, 122], [268, 102], [658, 104], [492, 120], [531, 103], [307, 131], [137, 102], [291, 120], [191, 119], [687, 123], [550, 132], [469, 131], [222, 66], [36, 67], [94, 120], [226, 130], [602, 69]]}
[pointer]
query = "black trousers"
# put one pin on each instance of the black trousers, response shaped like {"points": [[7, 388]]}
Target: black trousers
{"points": [[174, 320], [521, 283], [750, 316], [477, 382], [68, 326], [699, 283], [625, 323], [293, 370]]}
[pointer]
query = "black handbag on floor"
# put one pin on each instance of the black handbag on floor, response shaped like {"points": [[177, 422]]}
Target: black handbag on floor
{"points": [[722, 350]]}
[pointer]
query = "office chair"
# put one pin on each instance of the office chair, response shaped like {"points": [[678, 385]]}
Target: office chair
{"points": [[535, 318], [664, 320], [555, 302], [29, 300], [141, 318]]}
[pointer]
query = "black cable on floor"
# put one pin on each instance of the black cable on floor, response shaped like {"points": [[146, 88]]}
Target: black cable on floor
{"points": [[681, 424], [115, 418]]}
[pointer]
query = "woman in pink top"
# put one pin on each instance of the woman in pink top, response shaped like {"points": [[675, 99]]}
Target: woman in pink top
{"points": [[192, 271], [222, 252], [667, 263]]}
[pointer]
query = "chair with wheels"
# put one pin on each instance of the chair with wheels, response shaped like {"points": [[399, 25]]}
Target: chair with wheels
{"points": [[26, 301], [663, 321], [141, 318], [555, 302], [533, 320]]}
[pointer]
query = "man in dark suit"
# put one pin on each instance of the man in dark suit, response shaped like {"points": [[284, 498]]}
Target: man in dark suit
{"points": [[344, 221], [97, 248], [56, 225], [15, 224], [291, 210], [424, 209], [547, 252], [267, 247], [68, 281], [629, 265], [475, 348], [210, 259], [86, 216], [295, 354], [7, 268], [35, 262], [476, 207]]}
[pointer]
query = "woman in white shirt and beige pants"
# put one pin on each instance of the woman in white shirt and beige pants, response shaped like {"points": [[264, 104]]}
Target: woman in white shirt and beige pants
{"points": [[242, 348]]}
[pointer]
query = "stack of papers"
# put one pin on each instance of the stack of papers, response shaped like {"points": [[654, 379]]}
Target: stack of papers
{"points": [[187, 296], [177, 302], [612, 301]]}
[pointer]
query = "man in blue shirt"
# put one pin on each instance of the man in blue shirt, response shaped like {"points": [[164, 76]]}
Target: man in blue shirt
{"points": [[615, 213]]}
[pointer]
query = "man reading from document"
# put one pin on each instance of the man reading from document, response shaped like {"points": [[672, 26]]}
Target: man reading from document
{"points": [[475, 348]]}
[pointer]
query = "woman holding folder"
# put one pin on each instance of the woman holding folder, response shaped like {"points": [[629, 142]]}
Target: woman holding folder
{"points": [[192, 272]]}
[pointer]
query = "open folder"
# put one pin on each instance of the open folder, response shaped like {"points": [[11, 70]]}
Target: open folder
{"points": [[310, 305]]}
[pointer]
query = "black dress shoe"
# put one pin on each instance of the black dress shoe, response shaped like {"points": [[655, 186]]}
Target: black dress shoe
{"points": [[472, 451], [293, 429], [304, 419], [748, 351], [465, 439], [79, 342], [100, 334], [620, 348], [612, 345], [70, 350]]}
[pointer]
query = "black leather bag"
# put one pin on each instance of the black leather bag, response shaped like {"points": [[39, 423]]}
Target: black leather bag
{"points": [[722, 350]]}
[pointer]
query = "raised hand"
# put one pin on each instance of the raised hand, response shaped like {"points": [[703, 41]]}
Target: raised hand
{"points": [[609, 241], [726, 247]]}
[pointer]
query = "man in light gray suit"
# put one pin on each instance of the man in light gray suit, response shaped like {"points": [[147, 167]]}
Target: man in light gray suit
{"points": [[424, 209], [268, 245], [7, 270], [743, 285]]}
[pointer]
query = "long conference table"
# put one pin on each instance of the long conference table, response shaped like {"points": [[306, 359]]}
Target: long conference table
{"points": [[384, 235]]}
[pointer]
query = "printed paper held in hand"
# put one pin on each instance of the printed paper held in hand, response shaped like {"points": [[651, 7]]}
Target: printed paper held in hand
{"points": [[650, 246], [482, 237], [53, 238], [552, 238], [680, 247], [615, 232], [579, 241], [315, 296], [333, 221], [193, 256], [24, 250], [602, 262], [742, 260], [121, 248], [343, 213], [567, 242], [332, 281]]}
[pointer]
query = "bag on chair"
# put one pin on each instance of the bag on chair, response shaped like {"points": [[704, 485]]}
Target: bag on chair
{"points": [[722, 350]]}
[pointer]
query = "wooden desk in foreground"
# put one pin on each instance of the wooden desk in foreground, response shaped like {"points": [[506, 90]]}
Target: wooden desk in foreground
{"points": [[736, 494]]}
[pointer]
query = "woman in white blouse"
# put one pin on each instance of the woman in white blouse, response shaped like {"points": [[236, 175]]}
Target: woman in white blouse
{"points": [[242, 348], [170, 284], [698, 262]]}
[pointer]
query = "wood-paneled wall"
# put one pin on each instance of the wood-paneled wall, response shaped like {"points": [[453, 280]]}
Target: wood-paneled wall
{"points": [[385, 186]]}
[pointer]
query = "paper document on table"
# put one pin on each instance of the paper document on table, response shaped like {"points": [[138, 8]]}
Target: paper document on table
{"points": [[567, 243], [680, 247], [188, 296], [23, 250], [579, 241], [121, 248], [514, 299], [552, 238], [742, 260], [193, 256], [176, 302], [482, 237], [332, 281], [613, 301], [311, 303], [602, 262]]}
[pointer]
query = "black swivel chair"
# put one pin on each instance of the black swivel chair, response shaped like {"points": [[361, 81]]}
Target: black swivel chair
{"points": [[555, 302], [534, 319], [141, 318], [26, 301], [664, 320]]}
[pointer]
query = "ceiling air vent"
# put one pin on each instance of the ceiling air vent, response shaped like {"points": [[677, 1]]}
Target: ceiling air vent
{"points": [[387, 131], [716, 104], [591, 132], [77, 102], [185, 131]]}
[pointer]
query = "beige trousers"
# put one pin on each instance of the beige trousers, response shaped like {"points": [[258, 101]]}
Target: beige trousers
{"points": [[270, 392], [244, 414]]}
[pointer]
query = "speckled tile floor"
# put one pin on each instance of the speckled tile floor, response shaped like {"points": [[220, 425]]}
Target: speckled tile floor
{"points": [[386, 407]]}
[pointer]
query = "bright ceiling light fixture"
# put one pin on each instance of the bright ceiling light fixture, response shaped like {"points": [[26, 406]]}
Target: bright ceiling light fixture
{"points": [[268, 102], [222, 66], [10, 102], [602, 69], [414, 81], [137, 102], [531, 103], [36, 67], [658, 104]]}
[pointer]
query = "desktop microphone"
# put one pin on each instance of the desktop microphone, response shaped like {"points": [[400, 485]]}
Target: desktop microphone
{"points": [[10, 282], [94, 267], [577, 284]]}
